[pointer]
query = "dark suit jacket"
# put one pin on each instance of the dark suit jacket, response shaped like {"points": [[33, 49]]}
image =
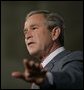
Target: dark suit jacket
{"points": [[67, 71]]}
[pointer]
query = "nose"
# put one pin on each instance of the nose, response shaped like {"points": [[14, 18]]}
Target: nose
{"points": [[28, 35]]}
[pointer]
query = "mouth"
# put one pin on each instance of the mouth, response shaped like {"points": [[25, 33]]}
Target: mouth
{"points": [[30, 43]]}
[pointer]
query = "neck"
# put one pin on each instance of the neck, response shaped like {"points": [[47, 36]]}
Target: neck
{"points": [[49, 50]]}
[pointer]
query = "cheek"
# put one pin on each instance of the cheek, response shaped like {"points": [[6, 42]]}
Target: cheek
{"points": [[39, 38], [26, 42], [44, 40]]}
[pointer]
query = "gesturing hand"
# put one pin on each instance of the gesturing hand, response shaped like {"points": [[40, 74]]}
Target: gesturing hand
{"points": [[32, 72]]}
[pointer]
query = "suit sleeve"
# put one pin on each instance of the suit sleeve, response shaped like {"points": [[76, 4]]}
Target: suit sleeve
{"points": [[70, 77]]}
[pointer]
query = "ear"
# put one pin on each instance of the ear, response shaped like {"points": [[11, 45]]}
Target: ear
{"points": [[55, 33]]}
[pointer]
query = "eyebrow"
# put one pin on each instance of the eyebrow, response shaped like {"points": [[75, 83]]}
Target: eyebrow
{"points": [[33, 25], [30, 26]]}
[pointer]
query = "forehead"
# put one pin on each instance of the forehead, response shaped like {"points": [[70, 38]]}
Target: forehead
{"points": [[35, 19]]}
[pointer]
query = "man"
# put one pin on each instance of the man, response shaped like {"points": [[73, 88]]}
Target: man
{"points": [[57, 68]]}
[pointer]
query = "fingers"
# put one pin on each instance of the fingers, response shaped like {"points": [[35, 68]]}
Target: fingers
{"points": [[31, 73], [23, 76], [31, 68], [25, 63], [31, 65], [37, 65], [17, 75], [41, 67], [28, 64]]}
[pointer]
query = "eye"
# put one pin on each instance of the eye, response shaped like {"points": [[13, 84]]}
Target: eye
{"points": [[34, 28]]}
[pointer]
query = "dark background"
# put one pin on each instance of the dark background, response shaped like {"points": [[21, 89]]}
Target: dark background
{"points": [[13, 48]]}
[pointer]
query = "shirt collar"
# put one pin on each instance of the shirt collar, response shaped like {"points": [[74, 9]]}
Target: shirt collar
{"points": [[51, 56]]}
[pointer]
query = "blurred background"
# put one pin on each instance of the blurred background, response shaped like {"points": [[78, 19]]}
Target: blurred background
{"points": [[13, 49]]}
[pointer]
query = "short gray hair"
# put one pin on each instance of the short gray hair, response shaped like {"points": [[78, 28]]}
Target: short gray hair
{"points": [[53, 19]]}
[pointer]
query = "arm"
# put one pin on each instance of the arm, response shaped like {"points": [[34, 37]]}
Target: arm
{"points": [[70, 77]]}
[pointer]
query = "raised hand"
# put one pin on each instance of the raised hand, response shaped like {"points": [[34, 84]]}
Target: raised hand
{"points": [[33, 72]]}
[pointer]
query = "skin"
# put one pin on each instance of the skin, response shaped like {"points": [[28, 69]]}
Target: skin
{"points": [[40, 42]]}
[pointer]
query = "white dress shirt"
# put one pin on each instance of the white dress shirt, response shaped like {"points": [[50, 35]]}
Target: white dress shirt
{"points": [[51, 56]]}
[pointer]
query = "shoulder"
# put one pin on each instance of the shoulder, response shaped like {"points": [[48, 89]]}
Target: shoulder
{"points": [[75, 55], [67, 55], [70, 58]]}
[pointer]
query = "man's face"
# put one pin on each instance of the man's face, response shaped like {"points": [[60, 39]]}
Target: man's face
{"points": [[37, 36]]}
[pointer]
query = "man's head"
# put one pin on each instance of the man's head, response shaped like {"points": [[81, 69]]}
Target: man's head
{"points": [[42, 29]]}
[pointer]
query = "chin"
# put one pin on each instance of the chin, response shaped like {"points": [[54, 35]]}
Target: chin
{"points": [[34, 53]]}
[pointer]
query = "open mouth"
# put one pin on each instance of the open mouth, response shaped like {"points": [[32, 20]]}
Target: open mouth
{"points": [[30, 43]]}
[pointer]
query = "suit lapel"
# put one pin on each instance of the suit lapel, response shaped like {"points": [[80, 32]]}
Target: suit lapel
{"points": [[57, 58]]}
